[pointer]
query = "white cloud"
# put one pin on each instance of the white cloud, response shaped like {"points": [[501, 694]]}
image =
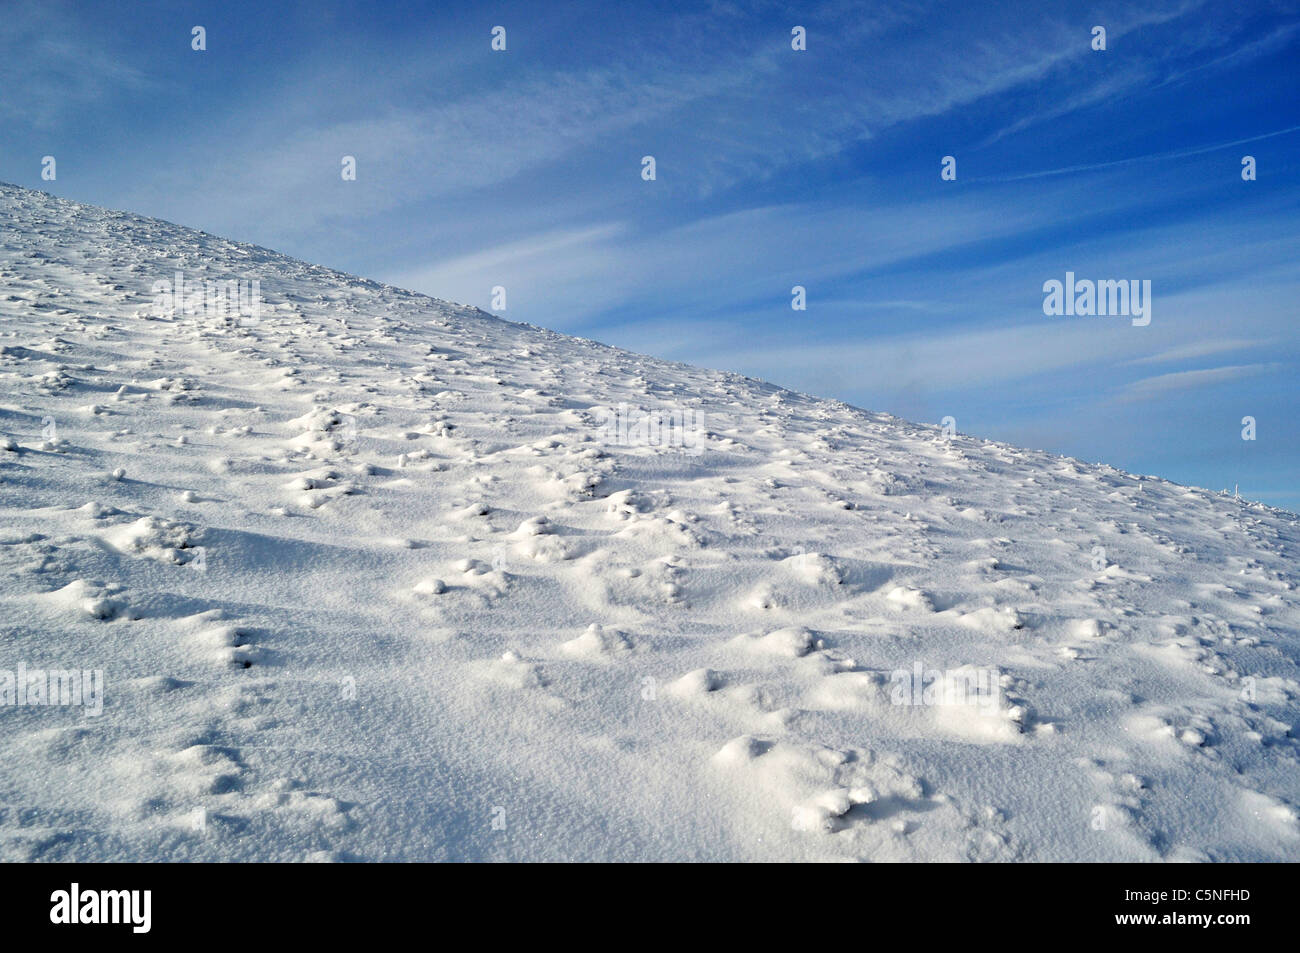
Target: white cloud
{"points": [[1162, 384], [1198, 349]]}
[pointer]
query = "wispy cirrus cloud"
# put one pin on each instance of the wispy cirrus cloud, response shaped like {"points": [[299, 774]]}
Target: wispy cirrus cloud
{"points": [[689, 96], [1151, 157], [1161, 384], [1199, 349], [48, 72]]}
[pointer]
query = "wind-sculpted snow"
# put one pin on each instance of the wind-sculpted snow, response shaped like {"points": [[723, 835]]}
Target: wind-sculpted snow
{"points": [[373, 576]]}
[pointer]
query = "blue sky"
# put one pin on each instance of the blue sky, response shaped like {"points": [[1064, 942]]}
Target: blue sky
{"points": [[775, 168]]}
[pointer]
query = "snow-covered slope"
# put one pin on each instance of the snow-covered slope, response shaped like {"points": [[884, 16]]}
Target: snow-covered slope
{"points": [[374, 576]]}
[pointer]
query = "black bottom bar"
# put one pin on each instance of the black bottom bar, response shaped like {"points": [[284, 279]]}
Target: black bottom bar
{"points": [[937, 903]]}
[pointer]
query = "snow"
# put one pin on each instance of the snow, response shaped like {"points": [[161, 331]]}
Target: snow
{"points": [[370, 576]]}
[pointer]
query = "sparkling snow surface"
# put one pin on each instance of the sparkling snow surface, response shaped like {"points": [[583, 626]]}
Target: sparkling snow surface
{"points": [[368, 580]]}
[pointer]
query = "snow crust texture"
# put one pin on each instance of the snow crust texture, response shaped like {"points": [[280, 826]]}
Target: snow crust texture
{"points": [[369, 576]]}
